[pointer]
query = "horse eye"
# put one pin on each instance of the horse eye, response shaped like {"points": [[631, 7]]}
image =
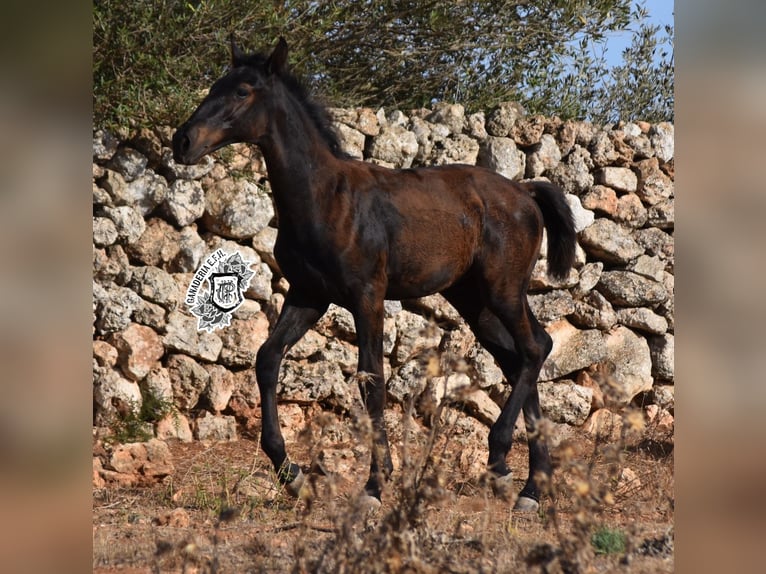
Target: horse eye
{"points": [[242, 92]]}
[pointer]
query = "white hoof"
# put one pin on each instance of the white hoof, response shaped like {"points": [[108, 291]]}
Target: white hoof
{"points": [[502, 486], [369, 504], [526, 504], [294, 488]]}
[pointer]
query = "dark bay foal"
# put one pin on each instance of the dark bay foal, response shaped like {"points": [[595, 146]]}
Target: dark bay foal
{"points": [[355, 234]]}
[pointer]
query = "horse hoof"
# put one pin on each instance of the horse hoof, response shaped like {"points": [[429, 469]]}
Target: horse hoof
{"points": [[526, 504], [368, 504], [294, 488], [502, 486]]}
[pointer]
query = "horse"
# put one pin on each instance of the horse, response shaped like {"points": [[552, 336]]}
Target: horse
{"points": [[354, 234]]}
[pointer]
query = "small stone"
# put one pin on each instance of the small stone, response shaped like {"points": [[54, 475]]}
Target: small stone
{"points": [[501, 155], [128, 221], [619, 178], [630, 211], [174, 426], [662, 350], [176, 518], [181, 334], [128, 162], [601, 199], [219, 388], [242, 339], [572, 350], [451, 115], [604, 424], [139, 348], [662, 136], [185, 202], [501, 119], [216, 428], [642, 319], [237, 209], [629, 354], [609, 242], [104, 231], [104, 353], [543, 156], [189, 380], [629, 289], [157, 245], [565, 402], [157, 286]]}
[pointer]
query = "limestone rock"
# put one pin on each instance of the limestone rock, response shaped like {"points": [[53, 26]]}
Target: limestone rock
{"points": [[565, 402], [156, 285], [242, 339], [139, 348], [351, 140], [501, 119], [662, 137], [128, 162], [543, 156], [110, 390], [128, 221], [653, 185], [630, 211], [573, 173], [572, 350], [629, 289], [501, 155], [146, 461], [219, 388], [185, 201], [394, 145], [188, 379], [662, 349], [158, 244], [619, 178], [551, 306], [188, 172], [237, 209], [642, 319], [216, 428], [450, 115], [629, 354], [610, 242], [601, 199], [104, 231]]}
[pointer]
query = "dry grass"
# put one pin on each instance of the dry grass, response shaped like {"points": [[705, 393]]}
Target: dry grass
{"points": [[438, 513]]}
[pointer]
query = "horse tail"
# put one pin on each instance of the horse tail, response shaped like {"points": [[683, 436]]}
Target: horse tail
{"points": [[559, 225]]}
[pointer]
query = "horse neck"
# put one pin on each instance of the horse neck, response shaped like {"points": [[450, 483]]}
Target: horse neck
{"points": [[297, 160]]}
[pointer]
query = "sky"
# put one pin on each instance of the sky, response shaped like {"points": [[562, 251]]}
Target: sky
{"points": [[660, 14]]}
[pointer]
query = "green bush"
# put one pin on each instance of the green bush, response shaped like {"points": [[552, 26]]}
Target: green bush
{"points": [[152, 58], [608, 541]]}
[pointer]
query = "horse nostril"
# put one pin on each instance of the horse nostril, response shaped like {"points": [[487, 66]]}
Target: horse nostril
{"points": [[185, 143]]}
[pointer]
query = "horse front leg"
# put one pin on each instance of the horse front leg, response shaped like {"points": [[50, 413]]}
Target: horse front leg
{"points": [[297, 316], [369, 332]]}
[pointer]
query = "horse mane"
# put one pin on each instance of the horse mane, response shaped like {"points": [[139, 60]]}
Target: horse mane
{"points": [[316, 112]]}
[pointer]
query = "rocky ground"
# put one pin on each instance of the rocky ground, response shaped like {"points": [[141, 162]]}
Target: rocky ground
{"points": [[212, 506]]}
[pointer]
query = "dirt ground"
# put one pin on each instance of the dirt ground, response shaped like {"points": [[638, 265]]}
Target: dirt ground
{"points": [[220, 511]]}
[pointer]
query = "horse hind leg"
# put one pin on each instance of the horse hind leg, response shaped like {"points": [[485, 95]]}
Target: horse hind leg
{"points": [[533, 344], [494, 335]]}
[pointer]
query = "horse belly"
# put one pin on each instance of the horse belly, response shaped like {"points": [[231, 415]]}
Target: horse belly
{"points": [[427, 263]]}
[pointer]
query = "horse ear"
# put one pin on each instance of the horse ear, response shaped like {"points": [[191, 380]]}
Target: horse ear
{"points": [[277, 62], [237, 55]]}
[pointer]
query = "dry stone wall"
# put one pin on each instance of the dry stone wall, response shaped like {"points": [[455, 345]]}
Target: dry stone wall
{"points": [[154, 223]]}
